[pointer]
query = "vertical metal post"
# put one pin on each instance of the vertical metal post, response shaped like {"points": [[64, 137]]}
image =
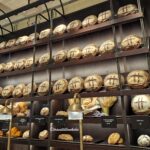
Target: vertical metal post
{"points": [[117, 50]]}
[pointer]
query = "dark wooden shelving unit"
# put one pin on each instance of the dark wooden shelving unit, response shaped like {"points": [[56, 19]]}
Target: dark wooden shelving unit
{"points": [[123, 119]]}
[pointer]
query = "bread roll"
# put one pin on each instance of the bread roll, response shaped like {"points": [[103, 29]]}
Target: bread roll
{"points": [[111, 81], [107, 47], [74, 25], [7, 91], [60, 56], [45, 33], [89, 21], [104, 16], [44, 111], [76, 85], [43, 88], [74, 53], [43, 135], [44, 59], [131, 42], [65, 137], [33, 36], [60, 30], [2, 45], [138, 79], [141, 104], [90, 50], [93, 82], [11, 43], [127, 10], [22, 40], [60, 86]]}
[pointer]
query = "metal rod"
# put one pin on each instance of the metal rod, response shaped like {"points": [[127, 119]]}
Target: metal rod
{"points": [[81, 133], [43, 17], [62, 6]]}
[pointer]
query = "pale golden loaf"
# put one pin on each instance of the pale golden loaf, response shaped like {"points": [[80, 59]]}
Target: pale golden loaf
{"points": [[89, 21], [74, 25], [90, 50], [60, 86]]}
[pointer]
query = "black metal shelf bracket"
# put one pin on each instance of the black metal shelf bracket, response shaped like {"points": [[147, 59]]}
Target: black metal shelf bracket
{"points": [[2, 28], [62, 14]]}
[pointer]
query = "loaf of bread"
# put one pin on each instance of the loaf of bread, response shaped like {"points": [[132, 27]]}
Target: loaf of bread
{"points": [[60, 86], [131, 42], [60, 29], [74, 25], [114, 138], [22, 40], [60, 56], [90, 50], [44, 111], [43, 135], [45, 33], [18, 91], [27, 89], [32, 37], [138, 79], [104, 16], [74, 53], [20, 64], [43, 88], [7, 91], [76, 85], [2, 45], [111, 81], [11, 43], [10, 66], [29, 62], [65, 137], [89, 21], [26, 134], [93, 82], [107, 47], [127, 10], [44, 59], [62, 113], [143, 140], [2, 67], [141, 104], [87, 138]]}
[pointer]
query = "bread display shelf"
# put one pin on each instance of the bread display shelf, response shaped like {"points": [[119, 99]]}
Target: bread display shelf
{"points": [[87, 146], [99, 27], [15, 140], [127, 92], [84, 31], [37, 142], [87, 60], [93, 120]]}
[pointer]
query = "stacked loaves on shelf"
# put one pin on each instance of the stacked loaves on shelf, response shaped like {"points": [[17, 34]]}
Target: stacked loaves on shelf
{"points": [[73, 26]]}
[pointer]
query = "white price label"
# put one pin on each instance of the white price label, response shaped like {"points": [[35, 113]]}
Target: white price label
{"points": [[5, 117]]}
